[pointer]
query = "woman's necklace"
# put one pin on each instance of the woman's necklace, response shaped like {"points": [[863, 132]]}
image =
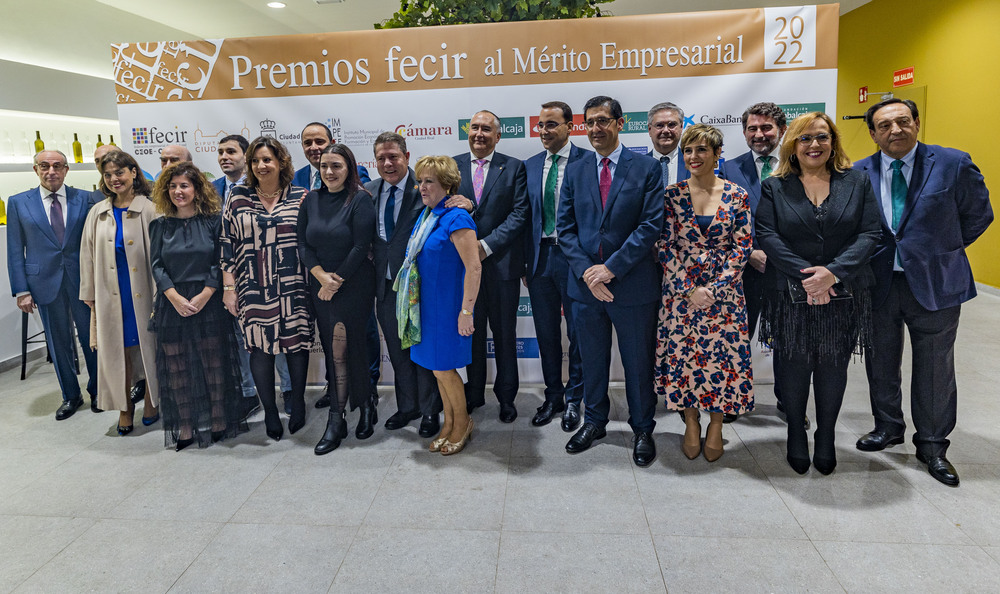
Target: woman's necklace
{"points": [[269, 197]]}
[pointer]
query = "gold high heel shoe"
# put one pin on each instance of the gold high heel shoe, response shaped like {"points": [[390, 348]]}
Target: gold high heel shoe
{"points": [[436, 444], [692, 436], [449, 448]]}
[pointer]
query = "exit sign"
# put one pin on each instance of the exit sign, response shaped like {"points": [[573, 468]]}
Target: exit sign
{"points": [[863, 95], [902, 77]]}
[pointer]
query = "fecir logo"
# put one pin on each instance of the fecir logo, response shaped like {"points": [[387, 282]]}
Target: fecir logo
{"points": [[152, 135], [509, 128]]}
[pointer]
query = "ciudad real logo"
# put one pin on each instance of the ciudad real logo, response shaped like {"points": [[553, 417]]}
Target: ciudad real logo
{"points": [[267, 128]]}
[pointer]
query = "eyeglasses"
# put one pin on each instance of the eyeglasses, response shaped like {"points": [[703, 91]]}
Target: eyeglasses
{"points": [[52, 166], [806, 139], [598, 122], [548, 126]]}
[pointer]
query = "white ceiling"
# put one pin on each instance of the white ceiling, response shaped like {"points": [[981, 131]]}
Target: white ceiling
{"points": [[74, 35]]}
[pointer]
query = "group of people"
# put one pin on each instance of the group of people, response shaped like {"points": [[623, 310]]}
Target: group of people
{"points": [[678, 252]]}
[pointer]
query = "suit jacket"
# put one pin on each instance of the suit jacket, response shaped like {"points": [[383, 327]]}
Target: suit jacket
{"points": [[534, 169], [502, 211], [36, 262], [793, 239], [621, 234], [682, 172], [220, 186], [389, 254], [947, 208], [302, 180], [742, 171]]}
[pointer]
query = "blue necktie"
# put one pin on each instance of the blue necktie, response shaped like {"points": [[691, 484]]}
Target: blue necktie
{"points": [[390, 209], [665, 170], [317, 182]]}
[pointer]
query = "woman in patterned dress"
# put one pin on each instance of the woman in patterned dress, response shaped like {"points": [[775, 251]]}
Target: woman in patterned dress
{"points": [[264, 282], [703, 350]]}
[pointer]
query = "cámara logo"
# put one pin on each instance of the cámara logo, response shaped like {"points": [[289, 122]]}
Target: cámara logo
{"points": [[412, 132]]}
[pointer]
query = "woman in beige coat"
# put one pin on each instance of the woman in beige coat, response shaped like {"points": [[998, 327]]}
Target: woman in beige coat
{"points": [[121, 301]]}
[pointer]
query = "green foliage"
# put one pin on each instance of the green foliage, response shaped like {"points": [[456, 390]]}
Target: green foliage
{"points": [[425, 13]]}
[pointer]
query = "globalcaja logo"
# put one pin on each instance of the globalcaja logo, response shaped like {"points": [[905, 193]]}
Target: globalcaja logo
{"points": [[524, 307], [268, 128], [417, 132], [635, 122], [153, 135], [794, 110], [509, 128]]}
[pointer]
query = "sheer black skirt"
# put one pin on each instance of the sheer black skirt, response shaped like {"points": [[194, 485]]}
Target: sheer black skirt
{"points": [[198, 369]]}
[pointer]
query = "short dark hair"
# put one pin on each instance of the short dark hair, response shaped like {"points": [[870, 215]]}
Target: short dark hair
{"points": [[768, 110], [285, 170], [870, 114], [386, 137], [123, 160], [353, 182], [238, 139], [206, 199], [604, 101], [329, 135], [567, 111]]}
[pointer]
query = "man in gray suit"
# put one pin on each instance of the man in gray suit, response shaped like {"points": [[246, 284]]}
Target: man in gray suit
{"points": [[397, 206]]}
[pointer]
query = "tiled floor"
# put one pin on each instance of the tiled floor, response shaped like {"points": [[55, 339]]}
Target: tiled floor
{"points": [[84, 510]]}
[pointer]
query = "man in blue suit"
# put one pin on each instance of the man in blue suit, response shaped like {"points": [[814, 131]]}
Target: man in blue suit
{"points": [[547, 273], [44, 226], [764, 125], [499, 206], [934, 204], [665, 122], [233, 163], [610, 215]]}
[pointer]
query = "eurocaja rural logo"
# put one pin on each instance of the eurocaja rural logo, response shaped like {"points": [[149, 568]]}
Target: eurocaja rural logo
{"points": [[509, 128]]}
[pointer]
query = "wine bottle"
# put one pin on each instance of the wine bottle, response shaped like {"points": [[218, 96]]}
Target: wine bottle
{"points": [[99, 141], [77, 150], [112, 141], [39, 143]]}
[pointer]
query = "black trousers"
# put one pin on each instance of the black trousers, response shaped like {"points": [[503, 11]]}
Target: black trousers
{"points": [[496, 303], [753, 292], [933, 390], [416, 388]]}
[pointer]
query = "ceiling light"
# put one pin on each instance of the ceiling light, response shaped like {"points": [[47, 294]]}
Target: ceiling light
{"points": [[276, 4]]}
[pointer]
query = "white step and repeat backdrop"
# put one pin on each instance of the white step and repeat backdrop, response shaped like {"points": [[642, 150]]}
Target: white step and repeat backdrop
{"points": [[425, 84]]}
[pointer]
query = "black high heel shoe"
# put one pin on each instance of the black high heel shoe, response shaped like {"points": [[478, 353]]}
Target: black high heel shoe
{"points": [[297, 419], [272, 426], [217, 436], [183, 443], [123, 431]]}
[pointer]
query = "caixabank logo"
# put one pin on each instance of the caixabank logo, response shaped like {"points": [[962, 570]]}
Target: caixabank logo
{"points": [[148, 140], [509, 128]]}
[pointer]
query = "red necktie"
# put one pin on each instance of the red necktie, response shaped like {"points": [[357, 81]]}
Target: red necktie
{"points": [[605, 181]]}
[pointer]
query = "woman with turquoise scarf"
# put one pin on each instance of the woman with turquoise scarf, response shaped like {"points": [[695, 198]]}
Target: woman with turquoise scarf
{"points": [[436, 290]]}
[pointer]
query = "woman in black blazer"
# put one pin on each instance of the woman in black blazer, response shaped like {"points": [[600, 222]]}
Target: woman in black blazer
{"points": [[818, 223]]}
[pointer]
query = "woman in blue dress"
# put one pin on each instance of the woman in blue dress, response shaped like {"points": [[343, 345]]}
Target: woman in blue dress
{"points": [[436, 292]]}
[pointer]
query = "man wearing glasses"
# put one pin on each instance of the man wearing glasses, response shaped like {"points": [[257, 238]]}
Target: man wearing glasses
{"points": [[665, 122], [547, 272], [43, 261], [610, 215]]}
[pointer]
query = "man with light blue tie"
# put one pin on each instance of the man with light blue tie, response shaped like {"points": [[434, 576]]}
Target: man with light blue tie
{"points": [[44, 227], [665, 122]]}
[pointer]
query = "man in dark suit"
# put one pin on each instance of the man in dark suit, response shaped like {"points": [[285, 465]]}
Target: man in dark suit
{"points": [[934, 204], [397, 207], [499, 206], [44, 226], [665, 123], [764, 125], [610, 215], [547, 274], [315, 138]]}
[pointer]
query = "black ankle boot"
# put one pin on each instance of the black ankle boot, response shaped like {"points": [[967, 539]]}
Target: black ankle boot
{"points": [[366, 424], [297, 419], [336, 428]]}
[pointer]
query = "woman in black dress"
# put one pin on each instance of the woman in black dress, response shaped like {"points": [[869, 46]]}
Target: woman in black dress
{"points": [[195, 346], [818, 223], [336, 228]]}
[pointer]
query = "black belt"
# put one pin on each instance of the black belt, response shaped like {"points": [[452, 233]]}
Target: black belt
{"points": [[550, 241]]}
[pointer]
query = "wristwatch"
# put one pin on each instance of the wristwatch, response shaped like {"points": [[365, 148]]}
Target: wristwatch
{"points": [[466, 312]]}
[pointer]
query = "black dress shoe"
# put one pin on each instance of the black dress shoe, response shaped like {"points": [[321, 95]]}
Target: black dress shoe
{"points": [[507, 413], [546, 411], [878, 440], [401, 419], [473, 406], [644, 449], [429, 426], [67, 408], [940, 468], [366, 424], [138, 391], [93, 405], [729, 417], [323, 402], [336, 429], [571, 418], [584, 438]]}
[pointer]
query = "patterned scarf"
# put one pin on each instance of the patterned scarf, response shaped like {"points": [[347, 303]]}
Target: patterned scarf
{"points": [[407, 283]]}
